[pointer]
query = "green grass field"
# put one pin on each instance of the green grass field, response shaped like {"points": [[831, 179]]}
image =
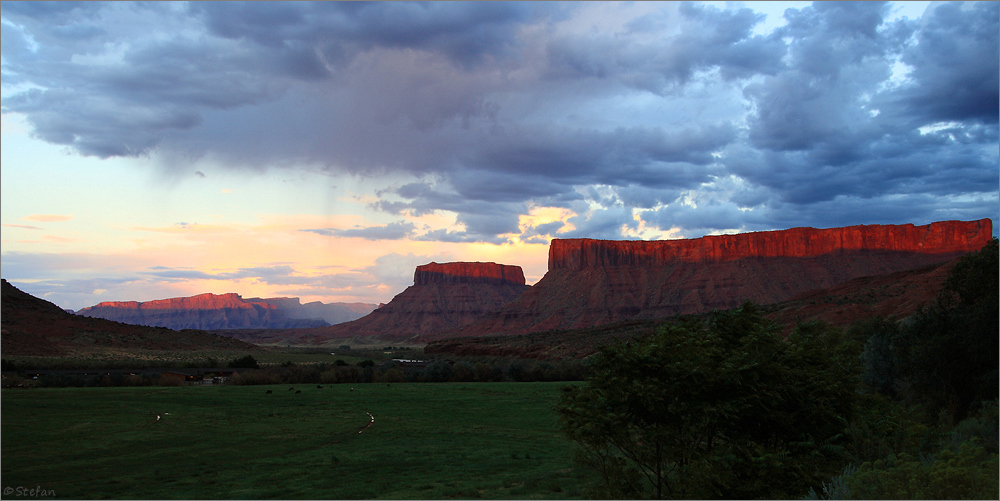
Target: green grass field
{"points": [[427, 441]]}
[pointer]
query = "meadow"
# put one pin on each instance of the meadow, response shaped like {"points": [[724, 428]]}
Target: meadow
{"points": [[361, 441]]}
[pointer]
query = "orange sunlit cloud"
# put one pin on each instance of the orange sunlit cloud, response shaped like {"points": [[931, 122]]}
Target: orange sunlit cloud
{"points": [[538, 216], [217, 249], [47, 218]]}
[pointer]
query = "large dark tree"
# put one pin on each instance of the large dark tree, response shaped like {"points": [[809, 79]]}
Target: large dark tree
{"points": [[948, 353], [719, 408]]}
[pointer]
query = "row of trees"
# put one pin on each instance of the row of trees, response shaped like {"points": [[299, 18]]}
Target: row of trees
{"points": [[249, 372], [727, 408], [492, 369]]}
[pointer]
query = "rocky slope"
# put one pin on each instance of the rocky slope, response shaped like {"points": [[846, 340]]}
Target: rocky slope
{"points": [[35, 327], [227, 311], [894, 296], [443, 297], [596, 282]]}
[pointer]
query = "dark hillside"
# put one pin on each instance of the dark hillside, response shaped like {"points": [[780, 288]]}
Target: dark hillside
{"points": [[35, 327]]}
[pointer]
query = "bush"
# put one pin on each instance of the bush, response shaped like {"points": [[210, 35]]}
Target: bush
{"points": [[438, 372], [968, 473], [393, 375], [255, 377], [882, 427], [463, 372], [169, 380], [328, 376], [247, 362]]}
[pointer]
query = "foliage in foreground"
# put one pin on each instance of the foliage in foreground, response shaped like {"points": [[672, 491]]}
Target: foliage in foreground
{"points": [[928, 428], [945, 357], [724, 408], [958, 464]]}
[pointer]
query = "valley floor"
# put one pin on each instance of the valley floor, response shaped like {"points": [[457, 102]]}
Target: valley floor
{"points": [[366, 441]]}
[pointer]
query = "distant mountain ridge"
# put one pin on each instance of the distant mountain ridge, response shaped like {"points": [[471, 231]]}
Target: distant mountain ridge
{"points": [[227, 311], [35, 327]]}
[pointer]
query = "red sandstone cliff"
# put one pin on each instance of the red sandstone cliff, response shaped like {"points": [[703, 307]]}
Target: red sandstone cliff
{"points": [[443, 297], [224, 311], [594, 282], [945, 237], [479, 273]]}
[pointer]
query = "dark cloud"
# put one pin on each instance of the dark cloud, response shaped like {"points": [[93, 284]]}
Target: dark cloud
{"points": [[832, 127], [464, 32], [487, 109], [645, 57], [955, 73]]}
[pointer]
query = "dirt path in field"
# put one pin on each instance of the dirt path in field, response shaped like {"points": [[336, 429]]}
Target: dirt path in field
{"points": [[369, 422]]}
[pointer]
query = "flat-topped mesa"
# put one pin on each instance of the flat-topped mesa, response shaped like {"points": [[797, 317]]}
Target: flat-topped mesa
{"points": [[468, 273], [207, 301], [945, 237]]}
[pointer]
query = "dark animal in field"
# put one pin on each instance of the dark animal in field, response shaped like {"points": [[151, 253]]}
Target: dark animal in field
{"points": [[268, 392], [352, 389], [319, 387], [290, 389], [298, 391]]}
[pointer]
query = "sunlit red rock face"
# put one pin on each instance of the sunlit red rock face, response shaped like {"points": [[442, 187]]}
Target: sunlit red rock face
{"points": [[225, 311], [594, 282], [944, 237], [462, 273], [199, 302], [443, 297]]}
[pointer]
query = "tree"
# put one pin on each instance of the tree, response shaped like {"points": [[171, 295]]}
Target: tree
{"points": [[438, 372], [948, 352], [880, 367], [247, 362], [716, 408]]}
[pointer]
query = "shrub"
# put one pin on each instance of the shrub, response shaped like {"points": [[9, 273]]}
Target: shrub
{"points": [[328, 376], [247, 362], [438, 372], [255, 377], [463, 371], [169, 380], [968, 473]]}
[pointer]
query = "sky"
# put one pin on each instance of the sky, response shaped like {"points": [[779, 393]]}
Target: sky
{"points": [[324, 150]]}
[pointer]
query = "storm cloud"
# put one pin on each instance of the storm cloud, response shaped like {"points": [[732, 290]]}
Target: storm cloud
{"points": [[669, 117]]}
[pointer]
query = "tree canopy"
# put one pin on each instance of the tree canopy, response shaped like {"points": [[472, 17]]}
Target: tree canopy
{"points": [[945, 357], [722, 407]]}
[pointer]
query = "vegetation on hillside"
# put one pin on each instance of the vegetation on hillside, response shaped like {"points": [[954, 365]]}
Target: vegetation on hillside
{"points": [[725, 408]]}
